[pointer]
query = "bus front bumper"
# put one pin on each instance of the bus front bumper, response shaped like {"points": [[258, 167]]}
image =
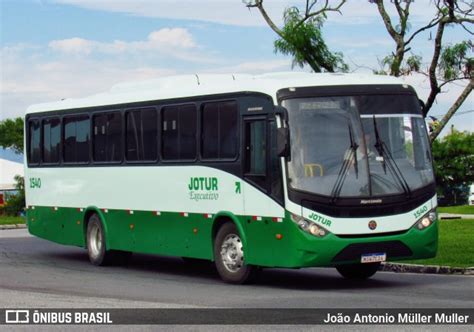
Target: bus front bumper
{"points": [[309, 251]]}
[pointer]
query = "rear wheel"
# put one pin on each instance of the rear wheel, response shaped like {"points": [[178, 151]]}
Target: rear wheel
{"points": [[96, 249], [358, 271], [229, 256]]}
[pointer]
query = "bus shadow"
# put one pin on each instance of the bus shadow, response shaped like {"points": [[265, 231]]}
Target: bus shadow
{"points": [[294, 279], [172, 266], [320, 279]]}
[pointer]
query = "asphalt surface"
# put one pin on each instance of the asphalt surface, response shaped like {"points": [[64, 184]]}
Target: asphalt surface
{"points": [[38, 273]]}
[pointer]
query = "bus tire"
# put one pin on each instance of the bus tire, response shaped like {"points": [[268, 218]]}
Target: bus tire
{"points": [[229, 256], [358, 271], [98, 254]]}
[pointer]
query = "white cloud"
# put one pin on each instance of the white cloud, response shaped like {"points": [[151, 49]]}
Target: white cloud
{"points": [[255, 67], [34, 77], [73, 45], [234, 12], [28, 80], [231, 12], [368, 42], [161, 40], [176, 37]]}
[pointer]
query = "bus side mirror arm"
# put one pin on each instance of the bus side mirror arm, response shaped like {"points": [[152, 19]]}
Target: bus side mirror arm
{"points": [[283, 133], [422, 106], [282, 112]]}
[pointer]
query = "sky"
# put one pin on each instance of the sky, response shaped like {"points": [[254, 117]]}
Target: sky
{"points": [[55, 49]]}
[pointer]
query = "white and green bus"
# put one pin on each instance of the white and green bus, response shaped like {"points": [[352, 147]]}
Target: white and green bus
{"points": [[285, 170]]}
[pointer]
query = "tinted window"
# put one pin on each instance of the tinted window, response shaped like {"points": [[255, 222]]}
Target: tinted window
{"points": [[179, 132], [51, 140], [255, 148], [219, 130], [34, 153], [76, 138], [107, 143], [141, 130]]}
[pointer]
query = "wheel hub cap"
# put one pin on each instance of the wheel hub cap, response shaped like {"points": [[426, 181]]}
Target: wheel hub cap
{"points": [[231, 253], [95, 241]]}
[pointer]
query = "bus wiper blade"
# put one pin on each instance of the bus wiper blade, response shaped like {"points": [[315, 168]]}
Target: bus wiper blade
{"points": [[341, 176], [396, 170], [379, 147], [354, 147], [387, 159]]}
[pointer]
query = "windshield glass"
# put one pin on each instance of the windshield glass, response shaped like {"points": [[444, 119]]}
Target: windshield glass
{"points": [[358, 146]]}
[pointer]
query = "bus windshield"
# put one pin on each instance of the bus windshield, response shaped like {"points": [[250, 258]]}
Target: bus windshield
{"points": [[358, 146]]}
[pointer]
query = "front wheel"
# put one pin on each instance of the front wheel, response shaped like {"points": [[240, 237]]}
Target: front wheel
{"points": [[98, 254], [229, 256], [358, 271]]}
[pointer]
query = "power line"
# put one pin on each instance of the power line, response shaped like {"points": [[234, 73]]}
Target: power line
{"points": [[455, 114]]}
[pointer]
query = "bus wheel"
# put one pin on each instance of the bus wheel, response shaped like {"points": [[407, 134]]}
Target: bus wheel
{"points": [[358, 271], [98, 255], [229, 256]]}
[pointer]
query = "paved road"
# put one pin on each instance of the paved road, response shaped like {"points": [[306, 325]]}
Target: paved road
{"points": [[38, 273]]}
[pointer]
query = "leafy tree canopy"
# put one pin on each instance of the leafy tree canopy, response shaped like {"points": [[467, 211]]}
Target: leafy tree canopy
{"points": [[11, 134], [303, 40], [454, 159]]}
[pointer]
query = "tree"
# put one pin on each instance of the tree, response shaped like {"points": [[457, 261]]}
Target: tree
{"points": [[454, 163], [15, 204], [11, 134], [449, 63], [301, 35]]}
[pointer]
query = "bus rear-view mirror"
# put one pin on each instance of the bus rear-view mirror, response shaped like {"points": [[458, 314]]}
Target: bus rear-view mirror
{"points": [[283, 142]]}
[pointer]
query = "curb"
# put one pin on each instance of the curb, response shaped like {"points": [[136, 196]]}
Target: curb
{"points": [[431, 269], [455, 216], [13, 226]]}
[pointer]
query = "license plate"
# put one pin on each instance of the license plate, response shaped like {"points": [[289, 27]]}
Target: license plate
{"points": [[373, 258]]}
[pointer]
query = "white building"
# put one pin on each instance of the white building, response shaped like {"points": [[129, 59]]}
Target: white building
{"points": [[8, 170]]}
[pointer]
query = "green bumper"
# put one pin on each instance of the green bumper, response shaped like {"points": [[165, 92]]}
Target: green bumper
{"points": [[299, 249]]}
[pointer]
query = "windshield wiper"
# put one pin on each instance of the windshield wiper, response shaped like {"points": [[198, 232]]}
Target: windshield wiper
{"points": [[384, 152], [354, 147], [341, 176]]}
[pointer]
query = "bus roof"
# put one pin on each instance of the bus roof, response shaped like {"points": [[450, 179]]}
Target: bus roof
{"points": [[210, 84]]}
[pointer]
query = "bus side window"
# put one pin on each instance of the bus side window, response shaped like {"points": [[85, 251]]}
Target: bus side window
{"points": [[220, 130], [107, 143], [34, 151], [51, 140], [141, 135], [179, 127], [76, 139], [255, 151]]}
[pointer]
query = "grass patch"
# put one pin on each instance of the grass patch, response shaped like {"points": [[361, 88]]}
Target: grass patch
{"points": [[5, 220], [455, 247], [460, 209]]}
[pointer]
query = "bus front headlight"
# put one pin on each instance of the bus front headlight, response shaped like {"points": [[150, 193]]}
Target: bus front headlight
{"points": [[426, 220], [309, 226]]}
